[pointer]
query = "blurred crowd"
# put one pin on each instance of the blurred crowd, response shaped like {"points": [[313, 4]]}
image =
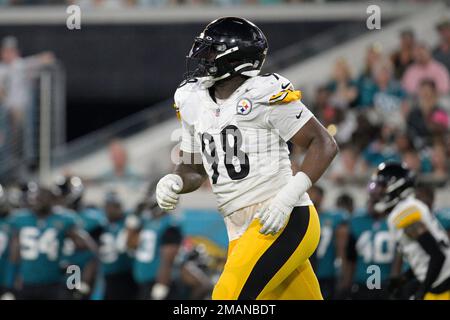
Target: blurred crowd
{"points": [[18, 97], [396, 108], [18, 105]]}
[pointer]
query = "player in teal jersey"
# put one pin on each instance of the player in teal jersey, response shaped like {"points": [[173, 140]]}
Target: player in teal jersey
{"points": [[70, 190], [4, 238], [426, 194], [443, 216], [331, 249], [370, 252], [37, 236], [116, 259], [155, 237]]}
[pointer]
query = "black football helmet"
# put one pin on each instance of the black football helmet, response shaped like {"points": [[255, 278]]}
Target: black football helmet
{"points": [[69, 188], [227, 46], [395, 182], [4, 203]]}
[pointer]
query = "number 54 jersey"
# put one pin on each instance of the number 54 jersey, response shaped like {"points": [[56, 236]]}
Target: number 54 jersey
{"points": [[41, 241], [242, 140]]}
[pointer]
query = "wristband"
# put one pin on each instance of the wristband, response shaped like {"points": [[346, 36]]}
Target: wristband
{"points": [[297, 186]]}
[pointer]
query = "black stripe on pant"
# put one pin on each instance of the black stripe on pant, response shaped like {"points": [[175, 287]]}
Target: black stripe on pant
{"points": [[277, 254]]}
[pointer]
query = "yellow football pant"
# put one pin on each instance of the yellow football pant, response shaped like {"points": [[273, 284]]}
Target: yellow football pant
{"points": [[437, 296], [273, 266]]}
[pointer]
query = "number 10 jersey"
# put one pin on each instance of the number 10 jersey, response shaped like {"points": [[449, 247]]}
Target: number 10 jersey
{"points": [[243, 140]]}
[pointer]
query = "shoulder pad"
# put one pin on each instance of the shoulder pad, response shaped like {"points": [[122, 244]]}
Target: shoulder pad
{"points": [[94, 212], [64, 212], [273, 89], [183, 97], [360, 212], [20, 213], [184, 89], [406, 214]]}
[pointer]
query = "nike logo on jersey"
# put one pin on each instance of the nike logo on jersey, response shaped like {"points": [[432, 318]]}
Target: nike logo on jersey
{"points": [[285, 86], [299, 115]]}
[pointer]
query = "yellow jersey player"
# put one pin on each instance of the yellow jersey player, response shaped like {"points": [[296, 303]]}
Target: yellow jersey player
{"points": [[235, 128], [420, 238]]}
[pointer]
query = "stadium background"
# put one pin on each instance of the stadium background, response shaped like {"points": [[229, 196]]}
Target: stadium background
{"points": [[97, 102]]}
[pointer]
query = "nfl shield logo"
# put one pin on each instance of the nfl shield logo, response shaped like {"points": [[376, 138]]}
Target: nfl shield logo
{"points": [[244, 106]]}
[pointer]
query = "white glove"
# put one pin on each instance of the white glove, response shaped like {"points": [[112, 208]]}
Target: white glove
{"points": [[132, 222], [159, 291], [275, 216], [167, 191], [8, 296]]}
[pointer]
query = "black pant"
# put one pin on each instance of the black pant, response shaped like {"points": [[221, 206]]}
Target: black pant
{"points": [[361, 292], [120, 287], [40, 292], [327, 286]]}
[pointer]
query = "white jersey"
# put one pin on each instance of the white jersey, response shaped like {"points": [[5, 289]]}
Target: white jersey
{"points": [[405, 213], [243, 141]]}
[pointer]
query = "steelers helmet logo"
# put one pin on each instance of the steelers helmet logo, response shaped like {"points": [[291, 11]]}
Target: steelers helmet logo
{"points": [[244, 106]]}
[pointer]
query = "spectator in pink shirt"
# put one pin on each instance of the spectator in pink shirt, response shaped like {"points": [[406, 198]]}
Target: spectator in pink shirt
{"points": [[427, 123], [425, 67]]}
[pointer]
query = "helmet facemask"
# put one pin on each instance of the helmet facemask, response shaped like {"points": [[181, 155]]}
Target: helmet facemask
{"points": [[201, 62], [210, 61], [393, 190]]}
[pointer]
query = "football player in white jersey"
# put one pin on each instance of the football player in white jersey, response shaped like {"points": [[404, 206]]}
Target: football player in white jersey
{"points": [[420, 238], [235, 128]]}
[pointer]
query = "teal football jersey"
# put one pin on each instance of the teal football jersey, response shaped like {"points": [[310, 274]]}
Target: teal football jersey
{"points": [[443, 216], [326, 250], [154, 234], [373, 244], [114, 255], [4, 252], [41, 242], [89, 220]]}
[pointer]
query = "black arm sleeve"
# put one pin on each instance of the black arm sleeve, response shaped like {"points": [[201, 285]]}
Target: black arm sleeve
{"points": [[437, 258], [96, 233], [172, 235], [350, 250]]}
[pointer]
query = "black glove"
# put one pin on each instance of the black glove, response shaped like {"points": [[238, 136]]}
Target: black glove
{"points": [[396, 284], [420, 294]]}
